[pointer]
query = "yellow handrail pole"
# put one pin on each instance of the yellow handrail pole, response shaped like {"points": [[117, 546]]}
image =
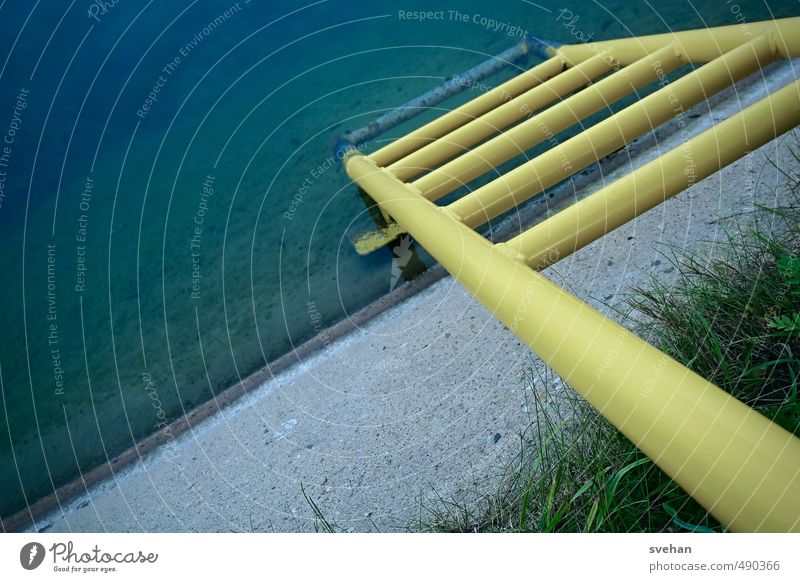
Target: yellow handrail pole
{"points": [[468, 111], [549, 168], [699, 46], [545, 124], [656, 181], [740, 466], [457, 141]]}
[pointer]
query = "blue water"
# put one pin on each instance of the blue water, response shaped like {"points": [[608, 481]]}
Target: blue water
{"points": [[169, 206]]}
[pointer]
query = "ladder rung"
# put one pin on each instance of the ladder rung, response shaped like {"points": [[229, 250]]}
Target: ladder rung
{"points": [[645, 188], [457, 141], [468, 111], [546, 124]]}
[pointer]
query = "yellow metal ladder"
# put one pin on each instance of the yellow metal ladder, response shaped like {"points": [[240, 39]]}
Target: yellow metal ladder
{"points": [[744, 469]]}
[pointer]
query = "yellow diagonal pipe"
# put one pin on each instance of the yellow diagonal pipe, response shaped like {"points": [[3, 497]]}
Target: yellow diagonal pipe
{"points": [[457, 141], [648, 186], [468, 111], [549, 168], [543, 126], [699, 46], [741, 467]]}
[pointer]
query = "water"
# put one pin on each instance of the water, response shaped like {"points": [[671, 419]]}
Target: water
{"points": [[169, 206]]}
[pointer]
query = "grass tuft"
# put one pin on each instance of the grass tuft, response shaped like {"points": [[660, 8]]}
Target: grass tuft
{"points": [[735, 319], [321, 523]]}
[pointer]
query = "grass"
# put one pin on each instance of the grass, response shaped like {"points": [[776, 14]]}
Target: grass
{"points": [[321, 523], [734, 319]]}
